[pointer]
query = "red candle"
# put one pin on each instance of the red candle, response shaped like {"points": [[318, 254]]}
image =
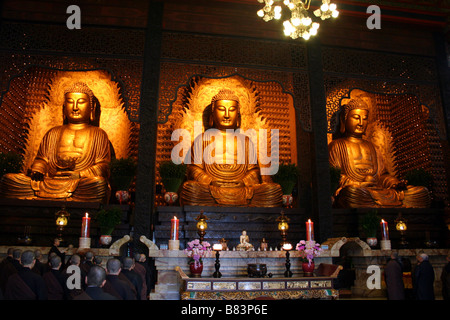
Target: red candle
{"points": [[174, 228], [85, 226], [309, 230], [384, 230]]}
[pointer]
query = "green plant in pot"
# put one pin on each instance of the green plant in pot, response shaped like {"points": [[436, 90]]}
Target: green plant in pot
{"points": [[10, 162], [286, 177], [122, 171], [108, 219], [370, 223], [172, 176]]}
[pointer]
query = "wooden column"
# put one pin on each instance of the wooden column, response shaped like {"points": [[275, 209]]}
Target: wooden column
{"points": [[148, 125], [321, 206]]}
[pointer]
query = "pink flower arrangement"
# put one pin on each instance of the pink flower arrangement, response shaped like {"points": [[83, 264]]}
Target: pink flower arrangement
{"points": [[196, 250], [308, 250]]}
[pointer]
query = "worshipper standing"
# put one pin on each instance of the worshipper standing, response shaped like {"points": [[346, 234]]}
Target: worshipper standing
{"points": [[6, 269], [445, 278], [140, 269], [55, 280], [26, 284], [393, 275], [424, 278], [114, 285], [17, 253], [55, 249], [39, 267], [95, 280], [133, 277], [87, 262], [150, 276]]}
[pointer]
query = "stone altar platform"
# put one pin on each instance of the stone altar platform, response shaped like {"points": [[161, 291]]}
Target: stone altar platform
{"points": [[234, 264], [244, 288]]}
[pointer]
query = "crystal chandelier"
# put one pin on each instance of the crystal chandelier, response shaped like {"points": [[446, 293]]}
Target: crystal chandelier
{"points": [[300, 24]]}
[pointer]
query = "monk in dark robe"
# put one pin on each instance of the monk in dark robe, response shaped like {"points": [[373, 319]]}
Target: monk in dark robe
{"points": [[115, 285], [26, 284], [55, 281], [95, 280]]}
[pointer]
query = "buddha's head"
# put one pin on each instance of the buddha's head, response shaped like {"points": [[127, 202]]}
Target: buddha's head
{"points": [[79, 105], [354, 117], [225, 110]]}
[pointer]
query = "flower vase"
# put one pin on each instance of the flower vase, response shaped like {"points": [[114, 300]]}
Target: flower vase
{"points": [[287, 200], [170, 197], [122, 196], [308, 269], [196, 269]]}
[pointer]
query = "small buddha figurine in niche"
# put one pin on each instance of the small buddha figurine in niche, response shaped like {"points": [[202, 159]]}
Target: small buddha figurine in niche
{"points": [[235, 183], [73, 159], [364, 181], [244, 243]]}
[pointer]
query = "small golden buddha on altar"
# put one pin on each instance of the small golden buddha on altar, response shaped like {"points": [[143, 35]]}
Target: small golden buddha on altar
{"points": [[364, 180], [72, 162], [228, 173]]}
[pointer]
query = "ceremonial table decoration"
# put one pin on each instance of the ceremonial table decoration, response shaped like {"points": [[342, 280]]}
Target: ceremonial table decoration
{"points": [[172, 176], [85, 240], [369, 224], [122, 174], [196, 250], [385, 243], [308, 251], [174, 243], [108, 219], [286, 177]]}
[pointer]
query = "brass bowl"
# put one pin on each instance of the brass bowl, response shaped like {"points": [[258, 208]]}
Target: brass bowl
{"points": [[256, 270]]}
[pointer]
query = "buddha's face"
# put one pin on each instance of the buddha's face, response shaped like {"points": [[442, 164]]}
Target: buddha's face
{"points": [[225, 114], [77, 107], [356, 123]]}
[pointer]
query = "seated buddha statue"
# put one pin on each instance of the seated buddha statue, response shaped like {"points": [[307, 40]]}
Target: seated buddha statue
{"points": [[72, 162], [228, 173], [364, 181]]}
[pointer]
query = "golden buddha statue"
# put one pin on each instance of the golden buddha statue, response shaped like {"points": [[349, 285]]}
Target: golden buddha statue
{"points": [[72, 162], [228, 173], [364, 180]]}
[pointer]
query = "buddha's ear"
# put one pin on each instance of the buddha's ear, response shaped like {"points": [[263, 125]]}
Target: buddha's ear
{"points": [[64, 115], [342, 122]]}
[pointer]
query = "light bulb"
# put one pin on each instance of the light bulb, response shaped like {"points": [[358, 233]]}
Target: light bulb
{"points": [[335, 14], [332, 6], [260, 13], [324, 7]]}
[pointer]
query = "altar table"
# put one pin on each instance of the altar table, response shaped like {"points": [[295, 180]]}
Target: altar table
{"points": [[244, 288]]}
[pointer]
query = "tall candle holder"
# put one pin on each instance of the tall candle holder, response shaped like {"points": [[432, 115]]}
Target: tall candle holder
{"points": [[174, 242], [287, 247], [385, 243], [217, 248], [85, 240]]}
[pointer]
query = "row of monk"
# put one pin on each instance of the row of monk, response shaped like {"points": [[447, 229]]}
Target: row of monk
{"points": [[72, 162]]}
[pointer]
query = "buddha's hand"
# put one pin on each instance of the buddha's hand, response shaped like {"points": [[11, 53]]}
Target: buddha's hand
{"points": [[227, 184], [36, 176], [67, 175]]}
